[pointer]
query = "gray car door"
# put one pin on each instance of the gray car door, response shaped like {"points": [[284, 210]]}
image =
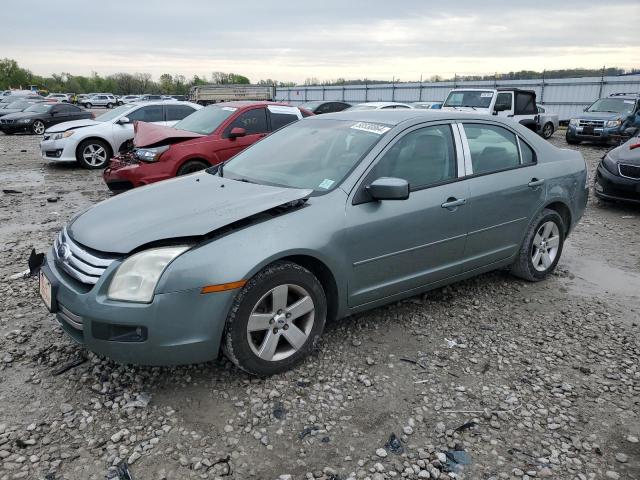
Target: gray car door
{"points": [[506, 188], [400, 245]]}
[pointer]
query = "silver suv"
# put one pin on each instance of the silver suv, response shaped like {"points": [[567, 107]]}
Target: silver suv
{"points": [[100, 100]]}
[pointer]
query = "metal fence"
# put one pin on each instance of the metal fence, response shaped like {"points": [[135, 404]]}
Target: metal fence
{"points": [[564, 96]]}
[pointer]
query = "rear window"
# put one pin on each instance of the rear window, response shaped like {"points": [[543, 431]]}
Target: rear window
{"points": [[279, 120], [178, 112]]}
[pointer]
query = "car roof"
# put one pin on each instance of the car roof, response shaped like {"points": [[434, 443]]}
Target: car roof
{"points": [[249, 103], [381, 104], [395, 117], [160, 102], [631, 95]]}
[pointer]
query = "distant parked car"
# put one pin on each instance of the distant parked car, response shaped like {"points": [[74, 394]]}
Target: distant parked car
{"points": [[149, 98], [378, 106], [39, 116], [547, 122], [205, 138], [428, 105], [129, 98], [14, 98], [325, 218], [92, 143], [17, 106], [320, 107], [610, 119], [180, 98], [618, 174], [108, 101], [60, 97]]}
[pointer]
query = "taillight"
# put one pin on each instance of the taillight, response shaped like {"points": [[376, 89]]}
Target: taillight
{"points": [[634, 146]]}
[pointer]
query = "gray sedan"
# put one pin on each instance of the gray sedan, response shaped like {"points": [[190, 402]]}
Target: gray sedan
{"points": [[329, 216]]}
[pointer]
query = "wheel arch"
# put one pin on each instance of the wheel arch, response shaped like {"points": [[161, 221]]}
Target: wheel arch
{"points": [[195, 157], [564, 211]]}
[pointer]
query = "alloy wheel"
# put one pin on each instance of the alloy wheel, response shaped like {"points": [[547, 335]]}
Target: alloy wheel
{"points": [[38, 127], [280, 322], [547, 130], [94, 155], [545, 246]]}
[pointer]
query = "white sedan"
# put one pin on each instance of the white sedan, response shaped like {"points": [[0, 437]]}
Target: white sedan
{"points": [[379, 106], [92, 143]]}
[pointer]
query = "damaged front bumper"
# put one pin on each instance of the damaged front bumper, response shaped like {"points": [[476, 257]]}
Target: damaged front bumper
{"points": [[125, 172], [176, 328]]}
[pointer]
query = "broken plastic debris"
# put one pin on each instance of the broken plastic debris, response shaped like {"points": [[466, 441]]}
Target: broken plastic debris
{"points": [[307, 431], [35, 261], [121, 472], [451, 343], [69, 365], [456, 460], [279, 411], [142, 401], [18, 275], [394, 445]]}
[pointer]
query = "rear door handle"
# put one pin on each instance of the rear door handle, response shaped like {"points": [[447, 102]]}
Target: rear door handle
{"points": [[536, 182], [453, 202]]}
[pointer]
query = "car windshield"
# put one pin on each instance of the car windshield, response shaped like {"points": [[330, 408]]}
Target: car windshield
{"points": [[112, 114], [314, 154], [205, 120], [362, 107], [469, 98], [612, 105], [39, 108]]}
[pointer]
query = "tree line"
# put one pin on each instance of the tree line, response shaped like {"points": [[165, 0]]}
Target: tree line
{"points": [[14, 76]]}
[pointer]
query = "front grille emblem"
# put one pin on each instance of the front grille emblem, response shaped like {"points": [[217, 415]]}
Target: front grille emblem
{"points": [[64, 252]]}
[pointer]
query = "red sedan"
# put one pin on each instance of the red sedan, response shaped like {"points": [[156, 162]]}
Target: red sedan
{"points": [[206, 137]]}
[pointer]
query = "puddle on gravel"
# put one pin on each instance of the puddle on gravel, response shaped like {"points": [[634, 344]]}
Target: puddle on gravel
{"points": [[596, 276]]}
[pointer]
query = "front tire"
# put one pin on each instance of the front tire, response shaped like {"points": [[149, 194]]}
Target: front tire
{"points": [[547, 130], [109, 105], [192, 166], [93, 154], [542, 247], [38, 127], [276, 319], [570, 140], [88, 105]]}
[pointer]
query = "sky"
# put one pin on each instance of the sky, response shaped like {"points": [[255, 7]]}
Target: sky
{"points": [[325, 39]]}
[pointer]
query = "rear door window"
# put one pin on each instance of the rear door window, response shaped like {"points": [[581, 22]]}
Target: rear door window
{"points": [[503, 101], [279, 120], [525, 104], [150, 113], [253, 121], [492, 148], [177, 112]]}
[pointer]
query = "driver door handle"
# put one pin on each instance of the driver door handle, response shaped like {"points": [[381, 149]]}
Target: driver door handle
{"points": [[536, 182], [453, 202]]}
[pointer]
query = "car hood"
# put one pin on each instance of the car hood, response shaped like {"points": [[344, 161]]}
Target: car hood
{"points": [[599, 116], [9, 111], [625, 154], [149, 134], [189, 206], [61, 127]]}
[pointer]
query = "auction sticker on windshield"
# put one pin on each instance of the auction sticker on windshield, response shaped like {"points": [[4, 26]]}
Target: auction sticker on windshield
{"points": [[486, 94], [326, 183], [371, 127], [45, 289]]}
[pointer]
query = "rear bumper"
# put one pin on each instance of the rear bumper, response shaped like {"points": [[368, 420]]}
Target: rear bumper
{"points": [[175, 328], [613, 187]]}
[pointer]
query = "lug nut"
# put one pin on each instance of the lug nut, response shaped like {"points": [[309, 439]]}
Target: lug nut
{"points": [[288, 315], [286, 327], [275, 330]]}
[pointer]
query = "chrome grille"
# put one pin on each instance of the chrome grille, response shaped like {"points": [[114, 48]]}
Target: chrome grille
{"points": [[592, 123], [629, 171], [82, 265]]}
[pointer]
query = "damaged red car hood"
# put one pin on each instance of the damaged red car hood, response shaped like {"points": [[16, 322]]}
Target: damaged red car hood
{"points": [[149, 134]]}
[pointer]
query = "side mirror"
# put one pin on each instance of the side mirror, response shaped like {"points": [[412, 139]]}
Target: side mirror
{"points": [[500, 108], [123, 120], [388, 188], [237, 132]]}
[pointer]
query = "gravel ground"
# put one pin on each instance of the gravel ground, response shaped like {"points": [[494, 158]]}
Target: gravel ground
{"points": [[490, 378]]}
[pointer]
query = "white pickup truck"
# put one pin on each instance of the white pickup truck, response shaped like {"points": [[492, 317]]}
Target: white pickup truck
{"points": [[503, 102]]}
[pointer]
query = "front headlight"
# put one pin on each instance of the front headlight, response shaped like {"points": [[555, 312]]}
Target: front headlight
{"points": [[613, 123], [137, 277], [150, 154], [610, 164], [574, 122], [61, 135]]}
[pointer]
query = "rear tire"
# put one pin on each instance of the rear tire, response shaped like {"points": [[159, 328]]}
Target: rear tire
{"points": [[541, 248], [93, 154], [275, 320], [547, 130], [109, 105], [88, 105], [192, 166]]}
